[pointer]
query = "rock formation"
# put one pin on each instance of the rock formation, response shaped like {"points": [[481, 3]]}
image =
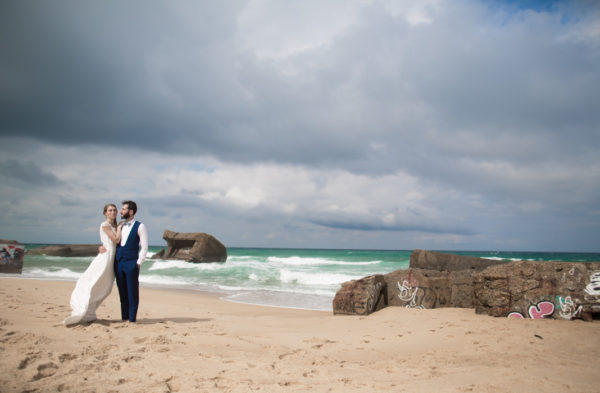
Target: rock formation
{"points": [[11, 257], [520, 289], [361, 297], [433, 260], [67, 250], [525, 289], [430, 282], [192, 247], [421, 288]]}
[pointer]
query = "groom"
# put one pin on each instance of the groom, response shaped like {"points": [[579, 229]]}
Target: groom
{"points": [[131, 253]]}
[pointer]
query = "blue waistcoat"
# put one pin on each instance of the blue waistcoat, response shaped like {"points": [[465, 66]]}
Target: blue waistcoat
{"points": [[131, 248]]}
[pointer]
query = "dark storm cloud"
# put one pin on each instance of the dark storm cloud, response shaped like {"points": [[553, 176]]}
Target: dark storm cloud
{"points": [[27, 173], [93, 73], [177, 78]]}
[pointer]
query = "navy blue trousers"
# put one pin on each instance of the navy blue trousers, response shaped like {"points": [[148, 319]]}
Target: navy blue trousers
{"points": [[127, 274]]}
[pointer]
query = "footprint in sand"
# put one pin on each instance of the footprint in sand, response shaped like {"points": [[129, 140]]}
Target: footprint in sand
{"points": [[66, 357], [161, 340], [43, 340], [310, 373], [45, 370], [284, 355], [318, 342], [28, 360], [131, 358], [171, 384]]}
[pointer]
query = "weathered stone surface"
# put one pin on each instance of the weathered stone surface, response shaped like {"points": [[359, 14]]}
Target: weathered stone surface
{"points": [[4, 241], [522, 289], [159, 255], [11, 257], [420, 288], [193, 247], [361, 297], [433, 280], [432, 260], [67, 250], [527, 289]]}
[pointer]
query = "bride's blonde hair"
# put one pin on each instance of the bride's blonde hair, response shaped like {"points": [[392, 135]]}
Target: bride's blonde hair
{"points": [[114, 223]]}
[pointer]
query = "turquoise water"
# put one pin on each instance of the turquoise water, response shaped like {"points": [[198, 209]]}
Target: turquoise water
{"points": [[296, 278]]}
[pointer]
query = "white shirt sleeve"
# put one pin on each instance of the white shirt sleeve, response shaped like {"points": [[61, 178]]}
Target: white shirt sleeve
{"points": [[143, 234]]}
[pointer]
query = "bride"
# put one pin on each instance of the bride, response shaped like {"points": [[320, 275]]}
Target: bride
{"points": [[96, 282]]}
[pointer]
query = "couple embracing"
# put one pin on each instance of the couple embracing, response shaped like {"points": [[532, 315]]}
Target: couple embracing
{"points": [[123, 250]]}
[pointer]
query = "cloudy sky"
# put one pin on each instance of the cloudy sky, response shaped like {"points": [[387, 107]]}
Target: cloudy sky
{"points": [[454, 125]]}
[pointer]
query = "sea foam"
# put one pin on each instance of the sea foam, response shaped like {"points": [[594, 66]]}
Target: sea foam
{"points": [[176, 264], [58, 274], [301, 261], [288, 276]]}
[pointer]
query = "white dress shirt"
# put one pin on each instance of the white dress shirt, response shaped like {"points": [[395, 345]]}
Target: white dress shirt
{"points": [[142, 233]]}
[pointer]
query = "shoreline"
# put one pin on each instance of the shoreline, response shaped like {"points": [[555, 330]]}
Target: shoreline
{"points": [[221, 294], [196, 342]]}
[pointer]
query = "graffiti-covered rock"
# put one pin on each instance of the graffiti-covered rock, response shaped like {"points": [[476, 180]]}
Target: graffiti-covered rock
{"points": [[519, 289], [528, 289], [11, 256], [421, 288], [361, 297], [432, 260]]}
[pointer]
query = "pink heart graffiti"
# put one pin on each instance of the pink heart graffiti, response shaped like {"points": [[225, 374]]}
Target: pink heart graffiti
{"points": [[541, 310]]}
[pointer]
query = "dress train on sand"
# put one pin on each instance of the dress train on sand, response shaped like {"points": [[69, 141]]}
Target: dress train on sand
{"points": [[95, 284]]}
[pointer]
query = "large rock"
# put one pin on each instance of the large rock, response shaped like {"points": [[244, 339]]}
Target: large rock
{"points": [[433, 280], [411, 288], [4, 241], [11, 256], [421, 288], [520, 289], [361, 297], [67, 250], [193, 247], [433, 260], [527, 289]]}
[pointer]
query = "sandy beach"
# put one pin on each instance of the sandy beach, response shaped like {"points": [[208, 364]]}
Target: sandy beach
{"points": [[194, 342]]}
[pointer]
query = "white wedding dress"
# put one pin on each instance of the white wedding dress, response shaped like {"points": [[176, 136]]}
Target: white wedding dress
{"points": [[95, 283]]}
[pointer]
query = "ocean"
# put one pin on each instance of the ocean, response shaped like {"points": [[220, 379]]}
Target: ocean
{"points": [[292, 278]]}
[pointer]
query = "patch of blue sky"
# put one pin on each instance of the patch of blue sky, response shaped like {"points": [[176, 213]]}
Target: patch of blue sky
{"points": [[512, 8], [535, 5]]}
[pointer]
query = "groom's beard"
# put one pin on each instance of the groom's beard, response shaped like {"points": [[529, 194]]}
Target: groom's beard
{"points": [[125, 216]]}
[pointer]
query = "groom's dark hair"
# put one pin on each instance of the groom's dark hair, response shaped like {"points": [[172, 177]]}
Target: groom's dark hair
{"points": [[131, 205]]}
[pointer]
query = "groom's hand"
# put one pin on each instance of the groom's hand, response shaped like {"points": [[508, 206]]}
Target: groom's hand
{"points": [[101, 249]]}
